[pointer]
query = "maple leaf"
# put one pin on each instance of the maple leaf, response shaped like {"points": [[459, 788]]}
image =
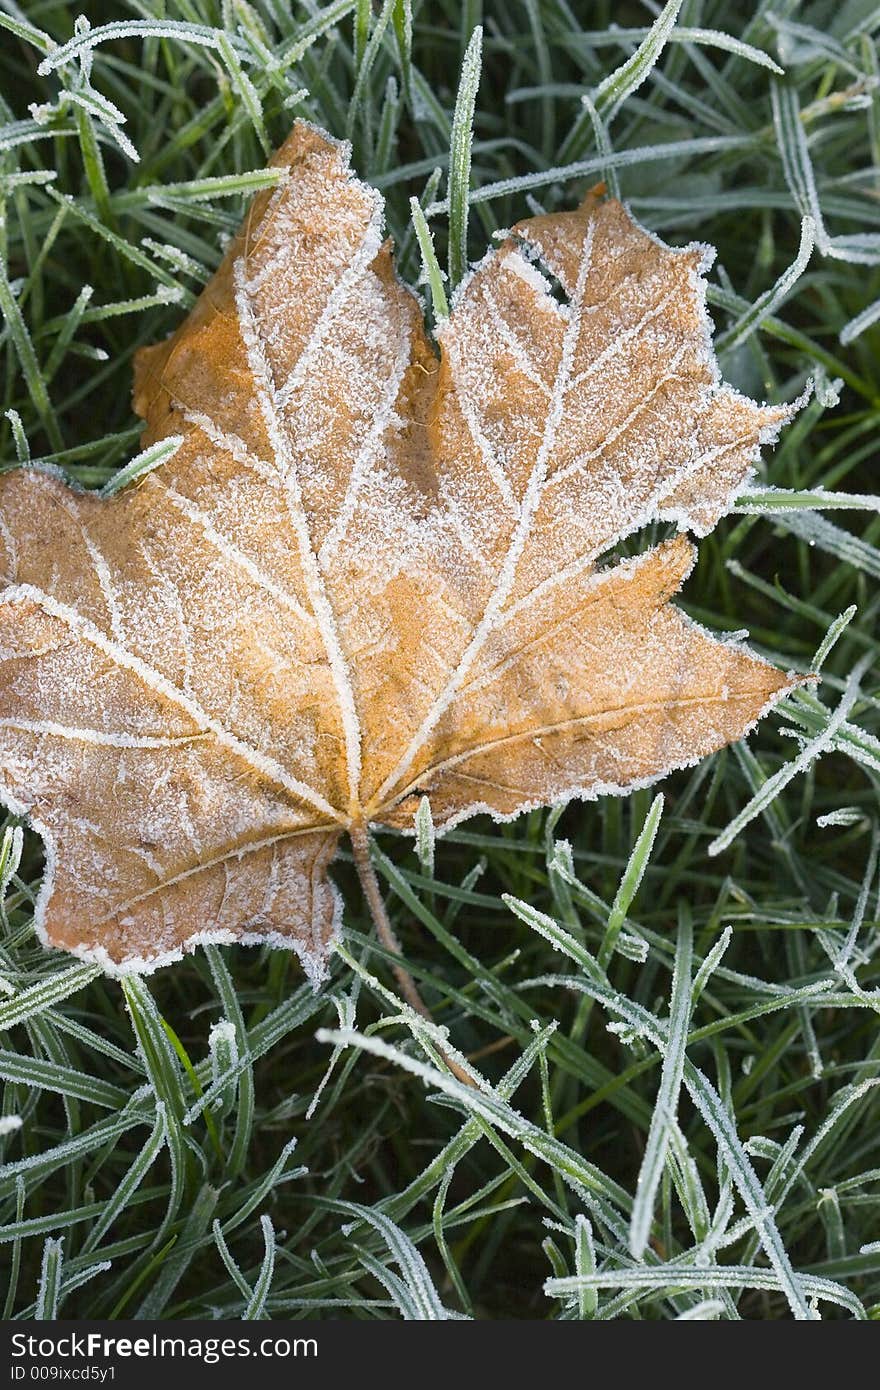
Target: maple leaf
{"points": [[367, 574]]}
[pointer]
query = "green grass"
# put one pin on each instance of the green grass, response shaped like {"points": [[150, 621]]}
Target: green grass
{"points": [[219, 1141]]}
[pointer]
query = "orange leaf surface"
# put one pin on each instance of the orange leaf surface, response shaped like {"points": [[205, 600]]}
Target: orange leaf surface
{"points": [[368, 573]]}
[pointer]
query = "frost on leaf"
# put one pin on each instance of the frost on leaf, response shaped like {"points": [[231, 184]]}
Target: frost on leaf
{"points": [[368, 575]]}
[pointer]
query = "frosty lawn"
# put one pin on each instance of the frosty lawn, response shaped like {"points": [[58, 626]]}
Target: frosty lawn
{"points": [[638, 1006]]}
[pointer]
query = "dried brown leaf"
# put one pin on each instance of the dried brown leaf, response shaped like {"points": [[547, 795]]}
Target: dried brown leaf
{"points": [[368, 574]]}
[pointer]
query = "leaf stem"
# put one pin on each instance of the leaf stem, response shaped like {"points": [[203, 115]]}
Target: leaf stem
{"points": [[360, 844]]}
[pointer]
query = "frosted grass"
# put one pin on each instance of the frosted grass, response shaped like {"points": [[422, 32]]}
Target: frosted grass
{"points": [[767, 303], [50, 1280], [666, 1105], [256, 1306], [613, 91], [460, 142]]}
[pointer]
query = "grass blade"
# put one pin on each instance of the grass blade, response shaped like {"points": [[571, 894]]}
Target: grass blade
{"points": [[460, 143], [666, 1105]]}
